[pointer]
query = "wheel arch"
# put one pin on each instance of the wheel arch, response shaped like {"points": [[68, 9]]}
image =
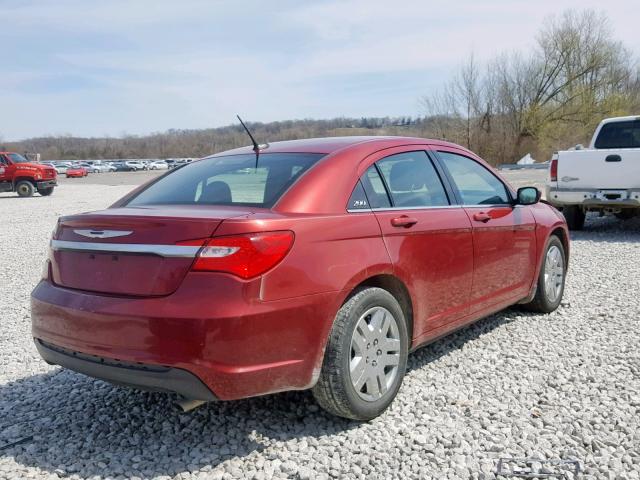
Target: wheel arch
{"points": [[564, 238], [23, 178], [395, 287]]}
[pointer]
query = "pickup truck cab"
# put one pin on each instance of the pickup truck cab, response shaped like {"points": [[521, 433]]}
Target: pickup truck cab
{"points": [[18, 174], [605, 177]]}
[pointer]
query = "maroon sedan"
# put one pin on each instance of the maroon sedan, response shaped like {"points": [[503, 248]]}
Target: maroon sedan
{"points": [[322, 267]]}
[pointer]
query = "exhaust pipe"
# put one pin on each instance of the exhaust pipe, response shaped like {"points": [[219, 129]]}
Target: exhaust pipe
{"points": [[188, 404]]}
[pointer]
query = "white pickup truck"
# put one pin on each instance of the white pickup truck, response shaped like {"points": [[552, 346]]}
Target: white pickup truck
{"points": [[604, 177]]}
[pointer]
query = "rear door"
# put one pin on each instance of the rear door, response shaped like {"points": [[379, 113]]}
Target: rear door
{"points": [[428, 238], [504, 240]]}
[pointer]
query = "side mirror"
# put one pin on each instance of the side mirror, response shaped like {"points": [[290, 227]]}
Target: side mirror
{"points": [[528, 196]]}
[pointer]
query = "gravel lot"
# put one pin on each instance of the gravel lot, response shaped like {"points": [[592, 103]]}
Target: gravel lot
{"points": [[558, 386]]}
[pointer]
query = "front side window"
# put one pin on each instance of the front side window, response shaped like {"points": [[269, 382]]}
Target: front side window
{"points": [[476, 185], [230, 180], [413, 180], [17, 158], [619, 135]]}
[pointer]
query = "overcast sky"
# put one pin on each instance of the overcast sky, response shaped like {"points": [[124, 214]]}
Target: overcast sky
{"points": [[94, 68]]}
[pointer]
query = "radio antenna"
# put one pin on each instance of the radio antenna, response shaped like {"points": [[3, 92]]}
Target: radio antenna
{"points": [[256, 147]]}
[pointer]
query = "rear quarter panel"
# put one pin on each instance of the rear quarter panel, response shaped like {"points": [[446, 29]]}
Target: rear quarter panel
{"points": [[330, 253]]}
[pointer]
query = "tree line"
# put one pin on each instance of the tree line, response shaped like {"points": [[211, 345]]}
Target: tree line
{"points": [[551, 98], [546, 99]]}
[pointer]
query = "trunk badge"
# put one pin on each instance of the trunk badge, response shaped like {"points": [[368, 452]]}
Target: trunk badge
{"points": [[103, 233]]}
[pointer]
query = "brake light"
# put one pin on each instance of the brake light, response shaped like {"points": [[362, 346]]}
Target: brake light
{"points": [[553, 169], [246, 256]]}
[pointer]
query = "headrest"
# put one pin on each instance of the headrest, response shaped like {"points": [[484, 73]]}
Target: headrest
{"points": [[403, 177], [216, 192]]}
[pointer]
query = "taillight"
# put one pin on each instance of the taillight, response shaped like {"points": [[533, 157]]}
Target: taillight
{"points": [[553, 169], [246, 256]]}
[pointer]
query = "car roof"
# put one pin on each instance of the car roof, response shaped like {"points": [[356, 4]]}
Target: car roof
{"points": [[329, 145]]}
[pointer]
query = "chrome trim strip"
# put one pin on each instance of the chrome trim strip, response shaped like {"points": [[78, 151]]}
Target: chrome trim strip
{"points": [[179, 251], [97, 233], [434, 207]]}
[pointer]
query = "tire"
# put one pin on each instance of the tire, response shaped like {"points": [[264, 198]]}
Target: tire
{"points": [[626, 214], [45, 192], [25, 188], [574, 216], [335, 391], [546, 299]]}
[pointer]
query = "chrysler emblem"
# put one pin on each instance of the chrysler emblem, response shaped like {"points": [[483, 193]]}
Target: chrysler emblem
{"points": [[103, 233]]}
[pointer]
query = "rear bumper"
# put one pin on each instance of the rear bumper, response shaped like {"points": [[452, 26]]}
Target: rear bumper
{"points": [[593, 197], [137, 375], [235, 344]]}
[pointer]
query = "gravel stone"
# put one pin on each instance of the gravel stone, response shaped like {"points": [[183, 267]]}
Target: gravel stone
{"points": [[559, 386]]}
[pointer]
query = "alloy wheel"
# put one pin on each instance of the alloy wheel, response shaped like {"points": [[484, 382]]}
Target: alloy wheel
{"points": [[553, 273], [375, 353]]}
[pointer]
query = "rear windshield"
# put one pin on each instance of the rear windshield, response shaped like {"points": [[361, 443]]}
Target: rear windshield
{"points": [[231, 180], [619, 135]]}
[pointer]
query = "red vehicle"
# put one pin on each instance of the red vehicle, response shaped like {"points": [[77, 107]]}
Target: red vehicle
{"points": [[320, 264], [77, 172], [18, 174]]}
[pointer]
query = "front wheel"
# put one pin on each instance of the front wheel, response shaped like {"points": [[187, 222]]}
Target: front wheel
{"points": [[550, 286], [25, 188], [365, 358], [45, 192]]}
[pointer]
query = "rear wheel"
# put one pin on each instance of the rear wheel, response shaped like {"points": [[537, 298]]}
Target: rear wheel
{"points": [[45, 192], [550, 286], [575, 217], [365, 358], [25, 188]]}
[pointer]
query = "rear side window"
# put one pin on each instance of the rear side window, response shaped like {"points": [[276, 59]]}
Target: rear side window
{"points": [[476, 185], [619, 135], [231, 180], [412, 180], [375, 189], [358, 199]]}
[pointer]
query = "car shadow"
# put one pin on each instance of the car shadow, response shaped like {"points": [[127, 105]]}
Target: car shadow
{"points": [[90, 428]]}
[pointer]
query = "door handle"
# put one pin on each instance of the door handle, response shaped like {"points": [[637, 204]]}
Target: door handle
{"points": [[613, 158], [481, 217], [403, 221]]}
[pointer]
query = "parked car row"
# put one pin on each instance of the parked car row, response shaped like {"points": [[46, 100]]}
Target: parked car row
{"points": [[101, 166]]}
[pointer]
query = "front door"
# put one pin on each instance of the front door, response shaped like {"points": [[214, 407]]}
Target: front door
{"points": [[504, 237], [5, 169], [427, 237]]}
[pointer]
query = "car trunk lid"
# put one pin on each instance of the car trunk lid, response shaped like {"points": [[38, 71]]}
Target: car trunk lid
{"points": [[132, 251]]}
